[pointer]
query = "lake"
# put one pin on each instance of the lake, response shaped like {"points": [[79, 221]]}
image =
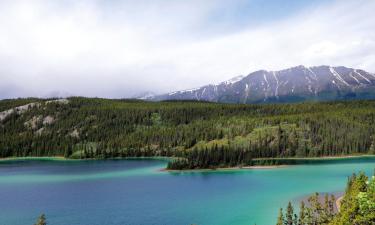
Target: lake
{"points": [[136, 192]]}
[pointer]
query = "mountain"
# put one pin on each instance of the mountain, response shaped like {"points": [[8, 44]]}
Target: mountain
{"points": [[144, 95], [290, 85]]}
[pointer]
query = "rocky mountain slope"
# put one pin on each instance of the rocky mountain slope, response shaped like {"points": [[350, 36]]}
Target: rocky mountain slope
{"points": [[290, 85]]}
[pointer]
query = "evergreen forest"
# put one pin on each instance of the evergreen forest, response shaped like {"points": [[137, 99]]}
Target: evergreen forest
{"points": [[196, 134]]}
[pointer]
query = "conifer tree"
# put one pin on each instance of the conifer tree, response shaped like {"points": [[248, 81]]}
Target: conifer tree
{"points": [[280, 218], [302, 214], [289, 214], [41, 220]]}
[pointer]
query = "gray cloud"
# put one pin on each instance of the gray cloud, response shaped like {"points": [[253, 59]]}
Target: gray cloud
{"points": [[118, 49]]}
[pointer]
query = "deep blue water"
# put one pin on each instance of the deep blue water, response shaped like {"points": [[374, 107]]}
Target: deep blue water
{"points": [[136, 192]]}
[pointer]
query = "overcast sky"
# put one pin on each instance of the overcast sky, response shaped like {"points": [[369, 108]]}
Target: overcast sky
{"points": [[118, 49]]}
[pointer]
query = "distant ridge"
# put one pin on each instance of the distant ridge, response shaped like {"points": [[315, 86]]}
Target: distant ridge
{"points": [[295, 84]]}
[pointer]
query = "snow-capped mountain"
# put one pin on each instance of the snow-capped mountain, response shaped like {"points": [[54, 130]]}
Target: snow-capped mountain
{"points": [[145, 95], [290, 85]]}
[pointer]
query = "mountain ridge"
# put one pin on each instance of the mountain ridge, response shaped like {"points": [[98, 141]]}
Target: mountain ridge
{"points": [[293, 84]]}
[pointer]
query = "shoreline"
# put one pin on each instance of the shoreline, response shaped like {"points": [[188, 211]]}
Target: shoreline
{"points": [[261, 167], [323, 158], [226, 168], [171, 157], [62, 158], [338, 202], [56, 158], [319, 158]]}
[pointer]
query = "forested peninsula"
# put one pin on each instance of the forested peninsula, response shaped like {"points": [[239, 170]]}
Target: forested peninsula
{"points": [[196, 134]]}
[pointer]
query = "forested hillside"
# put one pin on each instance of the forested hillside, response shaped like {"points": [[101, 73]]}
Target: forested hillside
{"points": [[200, 134], [357, 206]]}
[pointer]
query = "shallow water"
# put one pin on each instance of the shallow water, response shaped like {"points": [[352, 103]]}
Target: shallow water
{"points": [[136, 192]]}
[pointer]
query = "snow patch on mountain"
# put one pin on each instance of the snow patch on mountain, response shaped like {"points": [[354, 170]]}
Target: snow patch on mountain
{"points": [[296, 83], [337, 75], [233, 80]]}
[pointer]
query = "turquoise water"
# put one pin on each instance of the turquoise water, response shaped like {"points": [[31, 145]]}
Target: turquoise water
{"points": [[136, 192]]}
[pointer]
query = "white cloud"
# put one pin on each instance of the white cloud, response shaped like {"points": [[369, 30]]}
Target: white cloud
{"points": [[88, 48]]}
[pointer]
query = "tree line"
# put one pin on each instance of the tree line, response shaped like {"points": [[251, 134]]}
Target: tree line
{"points": [[198, 134]]}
